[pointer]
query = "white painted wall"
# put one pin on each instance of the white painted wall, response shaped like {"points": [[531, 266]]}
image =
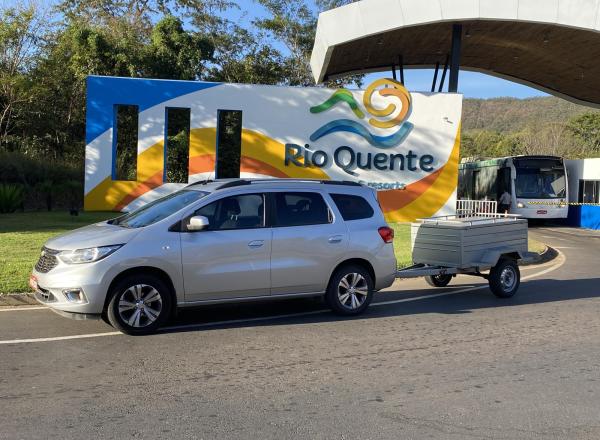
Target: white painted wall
{"points": [[587, 169]]}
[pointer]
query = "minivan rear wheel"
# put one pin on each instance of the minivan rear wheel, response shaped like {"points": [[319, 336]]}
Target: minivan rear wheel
{"points": [[139, 305], [350, 290]]}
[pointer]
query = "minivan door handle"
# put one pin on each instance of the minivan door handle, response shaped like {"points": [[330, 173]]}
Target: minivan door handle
{"points": [[256, 243], [335, 239]]}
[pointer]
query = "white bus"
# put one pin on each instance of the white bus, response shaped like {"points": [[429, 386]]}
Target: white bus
{"points": [[537, 184]]}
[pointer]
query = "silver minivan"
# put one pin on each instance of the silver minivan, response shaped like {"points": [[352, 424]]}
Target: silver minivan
{"points": [[222, 241]]}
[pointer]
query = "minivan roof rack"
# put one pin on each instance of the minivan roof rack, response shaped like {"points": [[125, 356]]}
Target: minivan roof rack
{"points": [[232, 183], [340, 182], [201, 182], [241, 182]]}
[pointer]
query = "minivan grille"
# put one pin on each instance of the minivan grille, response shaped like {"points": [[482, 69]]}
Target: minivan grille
{"points": [[45, 295], [47, 261]]}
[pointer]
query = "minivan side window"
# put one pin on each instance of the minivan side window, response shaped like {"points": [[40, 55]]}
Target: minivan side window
{"points": [[245, 211], [352, 207], [300, 208]]}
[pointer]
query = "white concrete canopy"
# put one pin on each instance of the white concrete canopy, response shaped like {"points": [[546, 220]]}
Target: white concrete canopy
{"points": [[552, 45]]}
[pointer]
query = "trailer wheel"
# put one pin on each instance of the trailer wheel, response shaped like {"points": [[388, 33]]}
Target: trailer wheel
{"points": [[438, 280], [504, 278]]}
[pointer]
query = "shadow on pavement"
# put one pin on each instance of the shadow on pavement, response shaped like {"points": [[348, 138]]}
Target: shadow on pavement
{"points": [[266, 313]]}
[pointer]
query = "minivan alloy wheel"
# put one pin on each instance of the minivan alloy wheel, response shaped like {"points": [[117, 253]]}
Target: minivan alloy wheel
{"points": [[140, 305], [353, 290]]}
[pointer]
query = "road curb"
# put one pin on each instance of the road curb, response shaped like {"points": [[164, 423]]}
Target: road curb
{"points": [[17, 299], [546, 256]]}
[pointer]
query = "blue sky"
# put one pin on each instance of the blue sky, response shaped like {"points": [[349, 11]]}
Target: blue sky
{"points": [[471, 84]]}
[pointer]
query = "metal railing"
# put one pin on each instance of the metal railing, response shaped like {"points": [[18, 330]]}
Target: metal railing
{"points": [[470, 208], [474, 219]]}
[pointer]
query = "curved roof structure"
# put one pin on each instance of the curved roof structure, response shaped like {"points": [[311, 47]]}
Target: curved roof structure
{"points": [[551, 45]]}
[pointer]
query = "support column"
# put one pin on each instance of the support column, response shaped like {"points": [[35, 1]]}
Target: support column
{"points": [[435, 75], [401, 67], [455, 57], [443, 80]]}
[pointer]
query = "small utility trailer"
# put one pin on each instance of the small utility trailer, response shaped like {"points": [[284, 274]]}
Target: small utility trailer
{"points": [[443, 247]]}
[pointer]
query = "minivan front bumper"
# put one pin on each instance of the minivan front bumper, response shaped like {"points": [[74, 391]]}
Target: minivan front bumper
{"points": [[70, 315], [52, 288]]}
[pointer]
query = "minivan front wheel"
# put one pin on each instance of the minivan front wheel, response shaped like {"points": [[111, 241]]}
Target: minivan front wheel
{"points": [[350, 290], [139, 305]]}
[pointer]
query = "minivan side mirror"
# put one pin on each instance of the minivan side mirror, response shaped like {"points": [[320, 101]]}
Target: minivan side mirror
{"points": [[197, 223]]}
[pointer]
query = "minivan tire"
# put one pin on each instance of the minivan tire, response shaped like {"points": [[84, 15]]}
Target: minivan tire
{"points": [[138, 316], [350, 290]]}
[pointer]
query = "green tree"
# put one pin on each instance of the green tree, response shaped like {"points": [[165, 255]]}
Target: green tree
{"points": [[136, 13], [57, 114], [293, 26], [241, 57], [486, 144], [586, 131], [175, 53], [21, 29]]}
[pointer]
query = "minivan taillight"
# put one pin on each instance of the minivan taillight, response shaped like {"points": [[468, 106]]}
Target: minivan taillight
{"points": [[387, 234]]}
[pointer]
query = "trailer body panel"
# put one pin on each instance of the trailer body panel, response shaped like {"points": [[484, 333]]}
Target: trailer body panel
{"points": [[467, 242]]}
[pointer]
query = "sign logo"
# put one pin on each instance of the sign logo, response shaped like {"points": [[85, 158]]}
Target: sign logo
{"points": [[394, 117], [390, 117]]}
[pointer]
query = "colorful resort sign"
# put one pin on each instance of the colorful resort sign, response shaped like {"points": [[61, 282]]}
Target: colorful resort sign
{"points": [[406, 145]]}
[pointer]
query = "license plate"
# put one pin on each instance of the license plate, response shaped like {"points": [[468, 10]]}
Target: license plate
{"points": [[542, 211], [33, 282]]}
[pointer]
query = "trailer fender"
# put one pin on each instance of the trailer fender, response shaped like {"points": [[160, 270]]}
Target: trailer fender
{"points": [[492, 256]]}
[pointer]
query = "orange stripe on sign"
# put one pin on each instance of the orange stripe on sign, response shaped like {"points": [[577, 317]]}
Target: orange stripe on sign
{"points": [[154, 182], [251, 165], [204, 163], [394, 199]]}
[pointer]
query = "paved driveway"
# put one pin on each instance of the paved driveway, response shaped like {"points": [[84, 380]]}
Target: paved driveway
{"points": [[448, 363]]}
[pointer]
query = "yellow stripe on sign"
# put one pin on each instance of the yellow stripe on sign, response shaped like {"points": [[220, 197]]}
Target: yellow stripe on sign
{"points": [[203, 141], [262, 148], [151, 161], [109, 193]]}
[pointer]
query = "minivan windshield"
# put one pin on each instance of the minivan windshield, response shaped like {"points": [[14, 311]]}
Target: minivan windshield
{"points": [[159, 209]]}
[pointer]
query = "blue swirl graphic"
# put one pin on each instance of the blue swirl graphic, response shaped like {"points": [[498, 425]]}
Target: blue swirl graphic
{"points": [[359, 129]]}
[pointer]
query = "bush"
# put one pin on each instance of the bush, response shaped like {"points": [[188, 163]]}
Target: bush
{"points": [[46, 184], [11, 198]]}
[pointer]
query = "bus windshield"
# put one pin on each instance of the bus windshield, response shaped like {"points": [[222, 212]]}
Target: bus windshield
{"points": [[540, 183]]}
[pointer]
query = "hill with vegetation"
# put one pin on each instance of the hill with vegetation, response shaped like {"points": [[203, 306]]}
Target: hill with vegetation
{"points": [[545, 125], [508, 115]]}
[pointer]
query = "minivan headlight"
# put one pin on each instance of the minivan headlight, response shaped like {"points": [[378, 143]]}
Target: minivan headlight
{"points": [[88, 255]]}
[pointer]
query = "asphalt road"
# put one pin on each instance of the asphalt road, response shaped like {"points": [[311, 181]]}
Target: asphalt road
{"points": [[449, 363]]}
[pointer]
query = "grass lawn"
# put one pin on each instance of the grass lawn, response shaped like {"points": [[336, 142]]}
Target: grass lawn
{"points": [[23, 234], [402, 243], [536, 246]]}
